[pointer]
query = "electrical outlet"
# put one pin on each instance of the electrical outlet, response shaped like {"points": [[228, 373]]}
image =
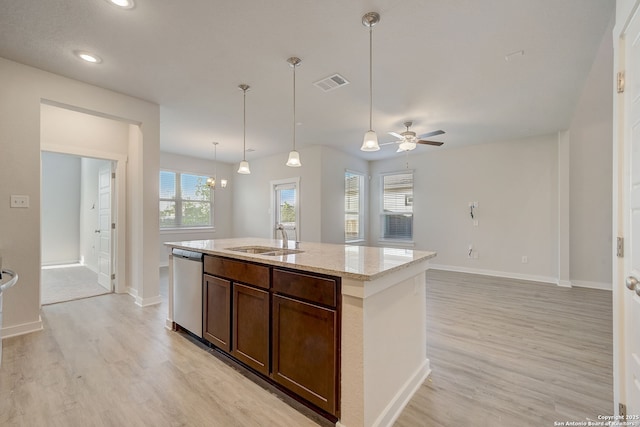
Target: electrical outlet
{"points": [[475, 222], [19, 201], [525, 259]]}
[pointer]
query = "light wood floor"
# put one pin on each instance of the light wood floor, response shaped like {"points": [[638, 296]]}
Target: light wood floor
{"points": [[513, 353], [503, 353]]}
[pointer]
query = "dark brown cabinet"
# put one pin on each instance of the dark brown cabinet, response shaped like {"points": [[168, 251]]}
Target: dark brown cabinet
{"points": [[305, 336], [284, 324], [217, 315], [250, 325], [305, 357]]}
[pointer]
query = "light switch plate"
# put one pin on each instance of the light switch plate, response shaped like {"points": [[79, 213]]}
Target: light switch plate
{"points": [[19, 201]]}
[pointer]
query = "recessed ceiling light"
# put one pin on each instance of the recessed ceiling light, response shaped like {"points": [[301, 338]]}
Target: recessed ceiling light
{"points": [[125, 4], [88, 57]]}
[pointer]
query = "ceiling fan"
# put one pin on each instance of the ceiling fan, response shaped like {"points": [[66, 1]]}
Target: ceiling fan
{"points": [[407, 140]]}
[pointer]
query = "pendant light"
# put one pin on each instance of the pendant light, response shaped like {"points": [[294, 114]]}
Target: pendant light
{"points": [[370, 141], [211, 182], [244, 165], [294, 156]]}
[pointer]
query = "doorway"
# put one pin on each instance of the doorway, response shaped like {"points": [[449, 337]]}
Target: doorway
{"points": [[76, 224], [286, 207]]}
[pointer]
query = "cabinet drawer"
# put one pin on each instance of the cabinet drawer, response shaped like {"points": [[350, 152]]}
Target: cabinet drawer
{"points": [[240, 271], [317, 289]]}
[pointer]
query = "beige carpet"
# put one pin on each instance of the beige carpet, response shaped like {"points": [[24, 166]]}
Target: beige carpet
{"points": [[69, 283]]}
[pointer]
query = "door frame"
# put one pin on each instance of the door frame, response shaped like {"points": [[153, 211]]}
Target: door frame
{"points": [[273, 208], [625, 9], [118, 214], [108, 230]]}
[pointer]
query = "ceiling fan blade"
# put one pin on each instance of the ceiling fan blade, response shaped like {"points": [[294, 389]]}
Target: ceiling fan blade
{"points": [[436, 143], [388, 143], [433, 133], [397, 135]]}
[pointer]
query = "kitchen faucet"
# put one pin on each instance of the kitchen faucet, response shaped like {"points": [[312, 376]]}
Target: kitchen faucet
{"points": [[285, 238]]}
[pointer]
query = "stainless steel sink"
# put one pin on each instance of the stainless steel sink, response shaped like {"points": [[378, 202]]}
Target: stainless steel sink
{"points": [[264, 250]]}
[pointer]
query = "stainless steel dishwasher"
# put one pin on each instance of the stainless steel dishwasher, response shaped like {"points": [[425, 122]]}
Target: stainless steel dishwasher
{"points": [[187, 290]]}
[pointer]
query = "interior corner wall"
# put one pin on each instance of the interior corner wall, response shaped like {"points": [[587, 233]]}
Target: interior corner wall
{"points": [[334, 165], [252, 195], [23, 90], [515, 185], [591, 172], [223, 201], [61, 209]]}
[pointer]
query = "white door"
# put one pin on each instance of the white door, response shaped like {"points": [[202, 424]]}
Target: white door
{"points": [[286, 208], [631, 295], [104, 224]]}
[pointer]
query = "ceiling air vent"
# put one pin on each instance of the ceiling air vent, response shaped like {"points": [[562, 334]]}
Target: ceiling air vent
{"points": [[332, 82]]}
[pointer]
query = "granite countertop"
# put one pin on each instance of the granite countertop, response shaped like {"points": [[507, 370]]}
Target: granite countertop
{"points": [[363, 263]]}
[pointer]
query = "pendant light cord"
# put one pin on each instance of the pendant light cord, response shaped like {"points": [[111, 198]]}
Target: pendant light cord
{"points": [[370, 77], [244, 125], [215, 161], [294, 107]]}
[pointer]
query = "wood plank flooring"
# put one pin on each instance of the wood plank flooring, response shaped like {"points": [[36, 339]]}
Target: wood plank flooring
{"points": [[503, 353], [513, 353]]}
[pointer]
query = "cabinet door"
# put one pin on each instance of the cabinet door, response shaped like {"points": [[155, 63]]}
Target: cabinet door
{"points": [[217, 316], [304, 346], [251, 327]]}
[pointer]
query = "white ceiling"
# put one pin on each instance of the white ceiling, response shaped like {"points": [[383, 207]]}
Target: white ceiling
{"points": [[440, 63]]}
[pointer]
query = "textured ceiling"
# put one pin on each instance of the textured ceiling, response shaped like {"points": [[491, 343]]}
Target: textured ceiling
{"points": [[440, 63]]}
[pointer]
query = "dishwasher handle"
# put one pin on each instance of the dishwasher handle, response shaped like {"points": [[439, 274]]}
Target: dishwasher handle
{"points": [[190, 255]]}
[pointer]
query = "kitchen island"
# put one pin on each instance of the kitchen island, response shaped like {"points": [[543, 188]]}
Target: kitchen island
{"points": [[379, 313]]}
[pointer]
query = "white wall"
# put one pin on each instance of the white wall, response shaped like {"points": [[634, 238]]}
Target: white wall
{"points": [[515, 185], [334, 165], [321, 194], [23, 89], [591, 174], [252, 195], [223, 208], [60, 209]]}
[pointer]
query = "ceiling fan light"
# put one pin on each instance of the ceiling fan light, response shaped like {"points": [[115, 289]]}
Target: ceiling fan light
{"points": [[370, 141], [294, 159], [244, 168], [406, 146]]}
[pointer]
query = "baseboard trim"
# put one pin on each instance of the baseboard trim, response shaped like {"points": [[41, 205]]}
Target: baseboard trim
{"points": [[132, 291], [532, 278], [495, 273], [23, 329], [146, 302], [592, 285], [393, 410]]}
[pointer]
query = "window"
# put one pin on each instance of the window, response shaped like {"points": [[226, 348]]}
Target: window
{"points": [[397, 206], [185, 200], [353, 206], [286, 203]]}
